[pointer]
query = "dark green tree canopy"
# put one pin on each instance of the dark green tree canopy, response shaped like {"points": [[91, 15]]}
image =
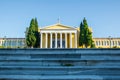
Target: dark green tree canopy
{"points": [[85, 37], [32, 37], [81, 37], [37, 34]]}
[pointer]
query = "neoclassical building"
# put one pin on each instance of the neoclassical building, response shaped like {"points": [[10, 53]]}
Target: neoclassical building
{"points": [[12, 42], [60, 36], [107, 42]]}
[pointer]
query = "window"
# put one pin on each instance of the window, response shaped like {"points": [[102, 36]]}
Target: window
{"points": [[102, 43], [97, 43], [107, 43], [113, 43], [118, 43]]}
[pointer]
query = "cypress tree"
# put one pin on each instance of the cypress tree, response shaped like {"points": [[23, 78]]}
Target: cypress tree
{"points": [[85, 37], [87, 34], [37, 35], [92, 44], [30, 38], [81, 35]]}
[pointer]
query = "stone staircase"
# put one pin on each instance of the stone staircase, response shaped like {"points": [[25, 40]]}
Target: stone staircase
{"points": [[59, 64]]}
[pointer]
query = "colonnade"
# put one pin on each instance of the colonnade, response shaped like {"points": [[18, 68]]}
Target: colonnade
{"points": [[70, 37]]}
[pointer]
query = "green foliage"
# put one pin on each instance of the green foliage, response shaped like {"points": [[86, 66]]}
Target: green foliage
{"points": [[2, 47], [92, 44], [115, 47], [85, 37], [81, 37], [32, 38], [87, 34], [68, 64], [37, 35]]}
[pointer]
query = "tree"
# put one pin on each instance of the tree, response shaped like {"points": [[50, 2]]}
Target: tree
{"points": [[85, 37], [87, 34], [32, 37], [92, 44], [81, 35], [37, 34]]}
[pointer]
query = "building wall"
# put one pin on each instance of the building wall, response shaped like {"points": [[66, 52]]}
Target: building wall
{"points": [[107, 42], [103, 42], [12, 42], [99, 42]]}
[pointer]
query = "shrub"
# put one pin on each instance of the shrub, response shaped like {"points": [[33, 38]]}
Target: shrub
{"points": [[68, 64]]}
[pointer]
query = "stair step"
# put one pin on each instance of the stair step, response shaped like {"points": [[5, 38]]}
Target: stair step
{"points": [[63, 77]]}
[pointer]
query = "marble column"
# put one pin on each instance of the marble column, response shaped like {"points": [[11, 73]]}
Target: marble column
{"points": [[50, 40], [46, 40], [65, 40], [55, 40], [60, 40], [75, 40], [70, 40]]}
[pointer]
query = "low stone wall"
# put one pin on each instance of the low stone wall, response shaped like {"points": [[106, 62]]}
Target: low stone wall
{"points": [[59, 64]]}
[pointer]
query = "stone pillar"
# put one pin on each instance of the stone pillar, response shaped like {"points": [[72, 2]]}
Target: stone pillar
{"points": [[50, 40], [70, 40], [117, 43], [75, 40], [65, 40], [46, 40], [99, 43], [60, 40], [41, 40], [55, 40]]}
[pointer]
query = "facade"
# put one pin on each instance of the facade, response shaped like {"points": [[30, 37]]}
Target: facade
{"points": [[107, 42], [12, 42], [60, 36]]}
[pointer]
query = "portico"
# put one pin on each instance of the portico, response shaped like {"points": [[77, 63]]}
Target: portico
{"points": [[58, 36]]}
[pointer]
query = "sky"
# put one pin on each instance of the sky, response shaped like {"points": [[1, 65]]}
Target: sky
{"points": [[103, 16]]}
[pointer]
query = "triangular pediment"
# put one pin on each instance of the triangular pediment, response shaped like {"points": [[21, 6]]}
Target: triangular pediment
{"points": [[58, 26]]}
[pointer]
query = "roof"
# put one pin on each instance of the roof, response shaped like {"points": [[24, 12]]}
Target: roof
{"points": [[58, 26]]}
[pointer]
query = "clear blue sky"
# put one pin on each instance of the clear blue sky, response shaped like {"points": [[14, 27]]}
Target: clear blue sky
{"points": [[102, 15]]}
